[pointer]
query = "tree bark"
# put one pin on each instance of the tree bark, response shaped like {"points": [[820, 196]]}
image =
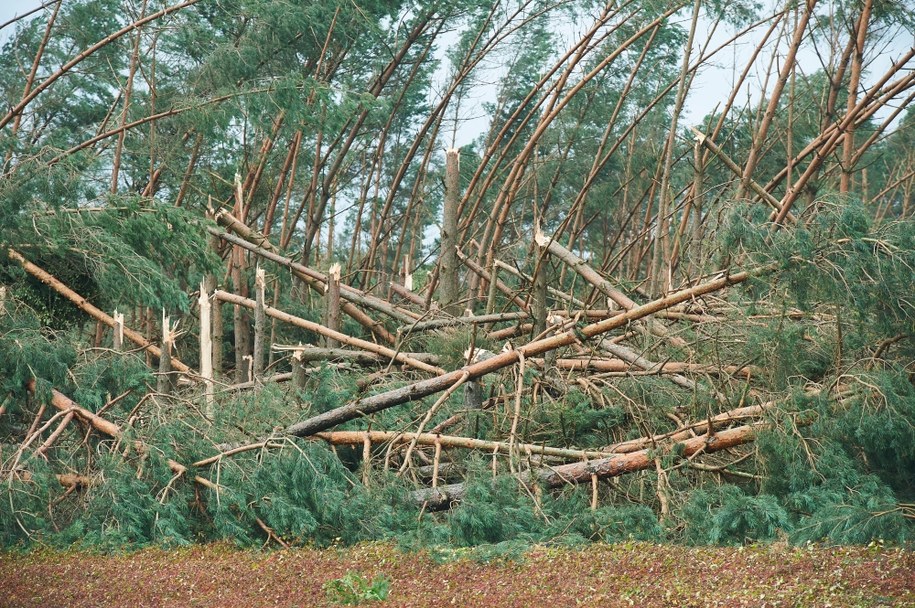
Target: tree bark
{"points": [[360, 357], [320, 329], [206, 347], [431, 386], [453, 441], [260, 322], [600, 283], [603, 468], [84, 305], [448, 282], [317, 282], [332, 305]]}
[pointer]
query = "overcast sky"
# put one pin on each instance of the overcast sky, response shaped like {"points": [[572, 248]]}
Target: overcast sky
{"points": [[711, 87]]}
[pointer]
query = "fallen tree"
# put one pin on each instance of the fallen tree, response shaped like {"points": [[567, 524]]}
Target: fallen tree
{"points": [[84, 305], [327, 332], [612, 466], [424, 388]]}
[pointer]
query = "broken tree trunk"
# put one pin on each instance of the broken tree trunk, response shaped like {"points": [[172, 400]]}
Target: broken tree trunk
{"points": [[558, 293], [486, 276], [453, 441], [624, 366], [332, 305], [448, 274], [539, 305], [65, 404], [320, 329], [117, 341], [260, 322], [630, 356], [206, 348], [164, 380], [317, 280], [612, 466], [601, 284], [360, 357], [454, 321], [106, 427], [418, 390], [406, 294], [84, 305], [298, 370], [738, 171]]}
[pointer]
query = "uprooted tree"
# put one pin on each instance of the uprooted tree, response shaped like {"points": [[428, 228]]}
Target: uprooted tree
{"points": [[251, 288]]}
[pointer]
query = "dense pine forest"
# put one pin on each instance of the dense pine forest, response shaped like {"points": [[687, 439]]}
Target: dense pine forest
{"points": [[457, 273]]}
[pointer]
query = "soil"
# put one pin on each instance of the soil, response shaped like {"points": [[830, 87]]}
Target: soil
{"points": [[629, 574]]}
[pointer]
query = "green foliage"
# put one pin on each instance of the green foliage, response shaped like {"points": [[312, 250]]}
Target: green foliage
{"points": [[827, 494], [24, 516], [124, 511], [353, 589], [726, 515], [498, 512], [29, 349], [578, 421]]}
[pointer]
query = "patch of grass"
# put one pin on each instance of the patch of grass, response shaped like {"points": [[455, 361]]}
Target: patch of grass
{"points": [[353, 589]]}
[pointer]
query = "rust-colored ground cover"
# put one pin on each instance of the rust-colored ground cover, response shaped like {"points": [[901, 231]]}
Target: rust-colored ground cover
{"points": [[630, 574]]}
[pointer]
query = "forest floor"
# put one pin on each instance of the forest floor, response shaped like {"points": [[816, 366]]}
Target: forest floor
{"points": [[628, 574]]}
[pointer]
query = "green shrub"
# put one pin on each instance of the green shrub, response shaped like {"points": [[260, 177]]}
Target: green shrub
{"points": [[353, 589]]}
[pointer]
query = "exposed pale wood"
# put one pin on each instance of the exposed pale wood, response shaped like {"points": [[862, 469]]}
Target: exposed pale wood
{"points": [[361, 357], [84, 305], [448, 262], [418, 390], [163, 381], [539, 305], [260, 321], [206, 348], [118, 339], [454, 441], [320, 329], [332, 304], [455, 321]]}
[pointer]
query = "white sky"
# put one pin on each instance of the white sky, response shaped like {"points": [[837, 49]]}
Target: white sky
{"points": [[711, 87]]}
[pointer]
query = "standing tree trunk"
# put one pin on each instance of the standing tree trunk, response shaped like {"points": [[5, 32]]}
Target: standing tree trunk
{"points": [[449, 261], [164, 383], [206, 347], [240, 286], [332, 305], [660, 273], [118, 333], [260, 322], [857, 62]]}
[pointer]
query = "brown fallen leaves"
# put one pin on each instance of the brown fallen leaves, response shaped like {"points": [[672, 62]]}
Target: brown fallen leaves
{"points": [[629, 574]]}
